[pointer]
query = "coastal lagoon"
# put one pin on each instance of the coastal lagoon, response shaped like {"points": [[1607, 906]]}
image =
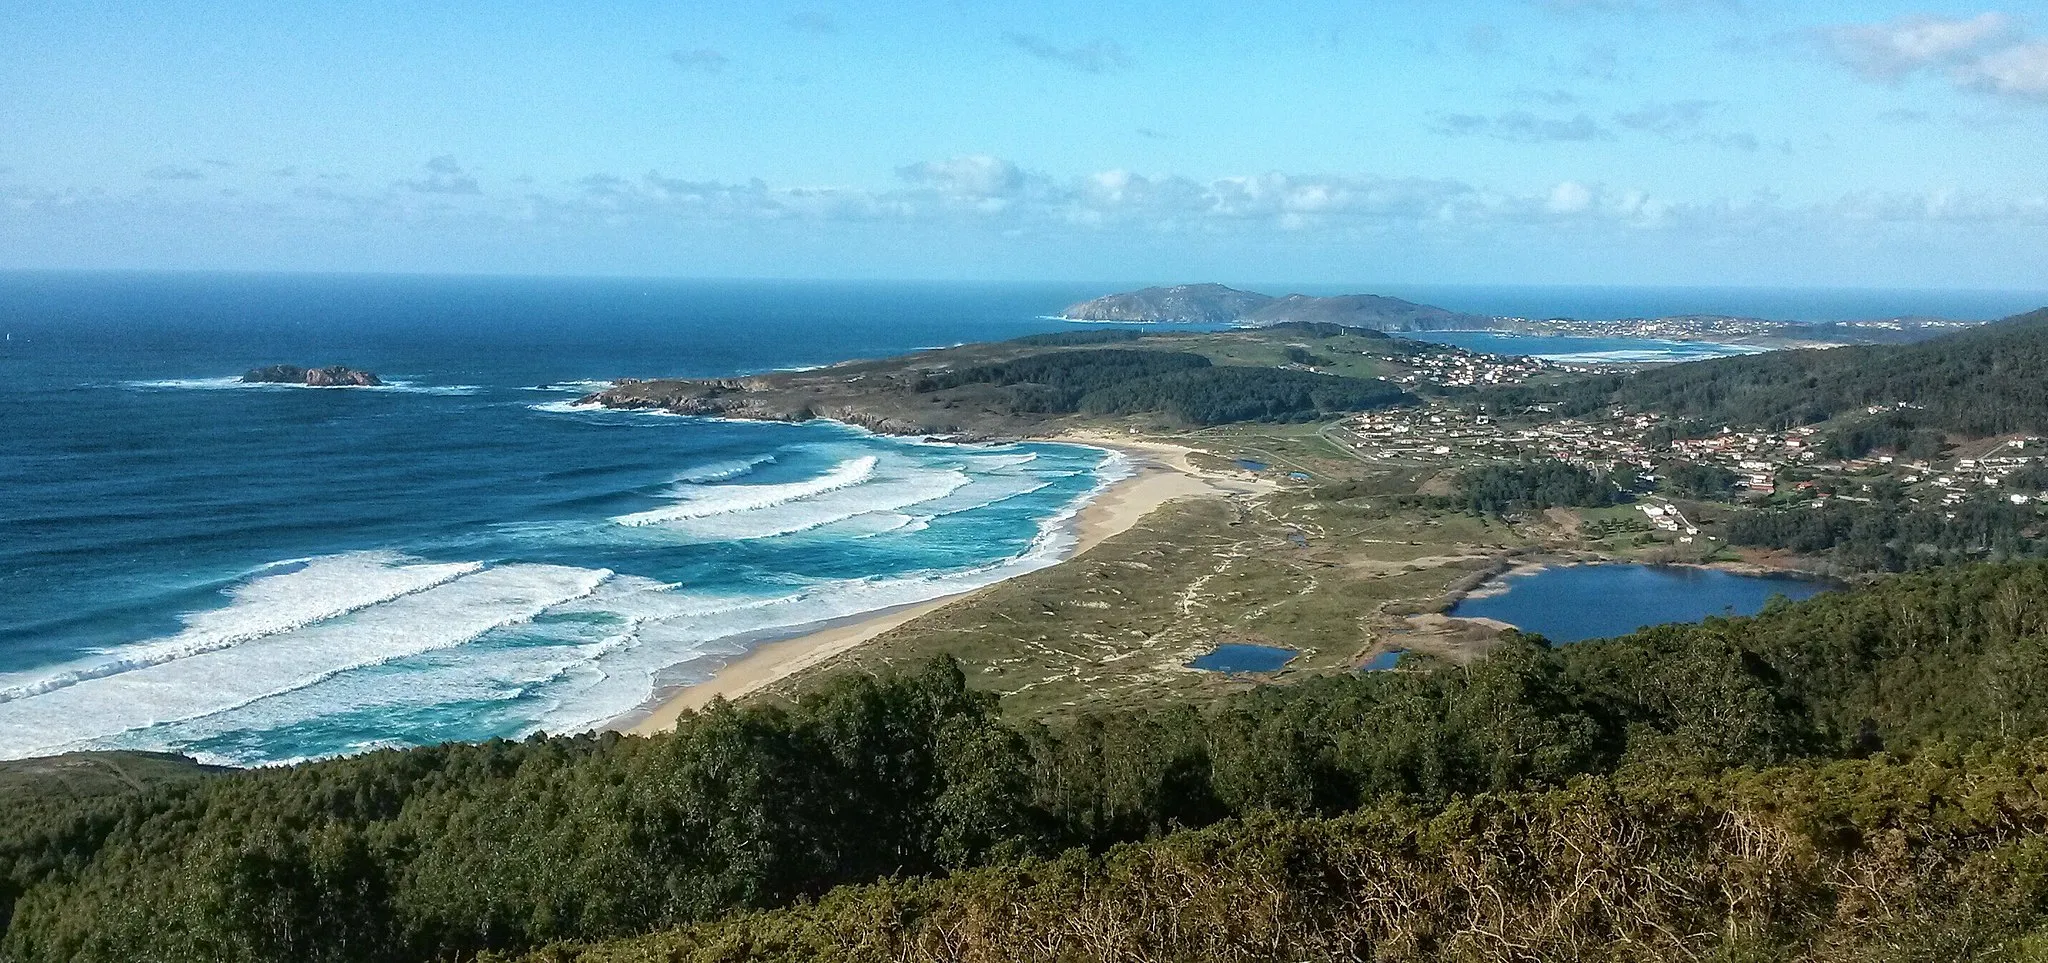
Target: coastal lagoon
{"points": [[1572, 603], [1237, 657], [1572, 349], [260, 573]]}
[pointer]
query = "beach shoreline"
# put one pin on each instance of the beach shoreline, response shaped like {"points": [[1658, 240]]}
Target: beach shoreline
{"points": [[1160, 473]]}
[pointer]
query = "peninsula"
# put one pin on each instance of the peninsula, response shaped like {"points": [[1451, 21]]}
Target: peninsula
{"points": [[1218, 304]]}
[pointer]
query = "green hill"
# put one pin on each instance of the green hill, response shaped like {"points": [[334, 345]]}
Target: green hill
{"points": [[1987, 380]]}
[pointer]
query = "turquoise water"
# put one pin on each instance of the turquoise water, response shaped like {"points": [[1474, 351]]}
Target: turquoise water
{"points": [[262, 573], [1237, 657], [1576, 602]]}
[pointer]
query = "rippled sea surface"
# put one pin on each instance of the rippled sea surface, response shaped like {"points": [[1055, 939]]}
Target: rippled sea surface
{"points": [[255, 573]]}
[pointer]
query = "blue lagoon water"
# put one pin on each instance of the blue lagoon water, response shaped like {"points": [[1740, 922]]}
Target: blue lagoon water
{"points": [[1239, 657], [262, 573], [1573, 603], [1384, 661]]}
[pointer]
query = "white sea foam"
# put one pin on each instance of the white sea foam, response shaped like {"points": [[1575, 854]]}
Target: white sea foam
{"points": [[1000, 462], [723, 470], [236, 383], [598, 648], [324, 588], [579, 387], [816, 511], [221, 680], [563, 407], [986, 490], [668, 631], [728, 499]]}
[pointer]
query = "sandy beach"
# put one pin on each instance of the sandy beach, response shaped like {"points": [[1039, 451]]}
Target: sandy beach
{"points": [[1161, 473]]}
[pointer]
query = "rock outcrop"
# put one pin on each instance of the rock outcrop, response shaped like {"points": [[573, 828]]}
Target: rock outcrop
{"points": [[335, 376]]}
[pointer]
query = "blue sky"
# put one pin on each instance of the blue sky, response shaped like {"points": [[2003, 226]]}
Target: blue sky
{"points": [[1524, 141]]}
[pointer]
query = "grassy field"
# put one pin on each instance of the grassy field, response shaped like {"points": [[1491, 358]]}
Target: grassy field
{"points": [[1266, 348], [1116, 627]]}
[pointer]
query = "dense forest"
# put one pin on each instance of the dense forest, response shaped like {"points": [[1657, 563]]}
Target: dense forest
{"points": [[1593, 800], [1692, 480], [1184, 387], [1532, 484], [1977, 382], [1891, 535]]}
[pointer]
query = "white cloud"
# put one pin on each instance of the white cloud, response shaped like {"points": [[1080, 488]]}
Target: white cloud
{"points": [[2020, 70], [936, 210], [1889, 51], [971, 176], [1986, 52], [1570, 197]]}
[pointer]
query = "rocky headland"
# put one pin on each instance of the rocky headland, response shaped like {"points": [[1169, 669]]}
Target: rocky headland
{"points": [[334, 376], [1217, 304]]}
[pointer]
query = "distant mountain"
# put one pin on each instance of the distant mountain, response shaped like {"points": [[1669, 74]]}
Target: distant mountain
{"points": [[1367, 311], [1212, 303], [1215, 303]]}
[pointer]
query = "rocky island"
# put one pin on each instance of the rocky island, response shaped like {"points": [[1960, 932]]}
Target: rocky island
{"points": [[334, 376]]}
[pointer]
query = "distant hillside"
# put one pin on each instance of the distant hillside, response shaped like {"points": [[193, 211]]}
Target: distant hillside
{"points": [[1216, 304], [1210, 303], [1367, 311], [1987, 380]]}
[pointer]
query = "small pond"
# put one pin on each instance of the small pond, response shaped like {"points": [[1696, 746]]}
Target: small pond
{"points": [[1383, 661], [1237, 657], [1250, 465], [1571, 603]]}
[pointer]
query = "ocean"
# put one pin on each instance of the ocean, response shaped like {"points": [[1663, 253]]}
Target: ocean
{"points": [[259, 574], [256, 574]]}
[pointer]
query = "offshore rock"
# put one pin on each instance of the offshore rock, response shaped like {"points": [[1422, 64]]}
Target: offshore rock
{"points": [[335, 376]]}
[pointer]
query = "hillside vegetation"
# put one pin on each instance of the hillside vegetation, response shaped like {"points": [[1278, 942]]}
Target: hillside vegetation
{"points": [[1983, 381], [1592, 801]]}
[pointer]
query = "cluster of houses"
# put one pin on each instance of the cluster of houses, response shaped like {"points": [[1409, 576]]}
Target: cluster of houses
{"points": [[1622, 440], [1458, 368]]}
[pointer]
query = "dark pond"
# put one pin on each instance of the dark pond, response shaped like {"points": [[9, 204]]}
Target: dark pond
{"points": [[1384, 661], [1236, 657], [1250, 465], [1575, 602]]}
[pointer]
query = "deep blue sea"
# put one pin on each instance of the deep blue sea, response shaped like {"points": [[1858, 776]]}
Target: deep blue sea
{"points": [[1572, 603], [263, 573]]}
